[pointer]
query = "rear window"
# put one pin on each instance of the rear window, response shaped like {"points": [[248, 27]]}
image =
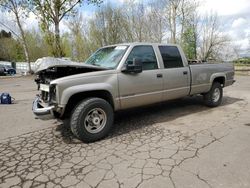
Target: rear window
{"points": [[171, 56]]}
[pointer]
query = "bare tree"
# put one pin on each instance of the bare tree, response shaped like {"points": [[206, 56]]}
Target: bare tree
{"points": [[145, 22], [155, 22], [79, 32], [135, 16], [170, 16], [17, 7], [211, 37], [109, 26]]}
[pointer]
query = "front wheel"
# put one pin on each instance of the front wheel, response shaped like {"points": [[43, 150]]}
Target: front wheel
{"points": [[214, 97], [11, 72], [92, 119]]}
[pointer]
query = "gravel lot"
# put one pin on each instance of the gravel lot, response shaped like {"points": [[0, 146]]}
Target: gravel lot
{"points": [[176, 144]]}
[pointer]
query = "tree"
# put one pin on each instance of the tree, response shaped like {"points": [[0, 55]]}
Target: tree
{"points": [[138, 21], [109, 26], [17, 7], [189, 20], [155, 22], [67, 44], [171, 8], [79, 35], [143, 22], [51, 13], [211, 40], [37, 46], [189, 43], [10, 49]]}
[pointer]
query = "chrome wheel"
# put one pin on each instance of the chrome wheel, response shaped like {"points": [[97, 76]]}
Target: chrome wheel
{"points": [[95, 120], [216, 95]]}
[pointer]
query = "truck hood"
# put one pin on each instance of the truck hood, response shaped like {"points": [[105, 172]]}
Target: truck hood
{"points": [[48, 69], [50, 62]]}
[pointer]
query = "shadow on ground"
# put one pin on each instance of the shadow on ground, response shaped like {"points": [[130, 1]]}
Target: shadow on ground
{"points": [[133, 119]]}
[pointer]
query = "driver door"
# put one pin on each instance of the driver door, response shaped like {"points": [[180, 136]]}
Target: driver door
{"points": [[137, 89]]}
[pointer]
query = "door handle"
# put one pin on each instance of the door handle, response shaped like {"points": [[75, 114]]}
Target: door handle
{"points": [[159, 75], [185, 72]]}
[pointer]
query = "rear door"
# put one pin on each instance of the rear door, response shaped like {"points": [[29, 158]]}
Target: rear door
{"points": [[176, 75], [145, 87]]}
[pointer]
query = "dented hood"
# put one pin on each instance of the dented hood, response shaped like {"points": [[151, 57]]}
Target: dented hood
{"points": [[49, 62]]}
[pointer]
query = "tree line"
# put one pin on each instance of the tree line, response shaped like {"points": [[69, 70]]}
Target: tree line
{"points": [[171, 21]]}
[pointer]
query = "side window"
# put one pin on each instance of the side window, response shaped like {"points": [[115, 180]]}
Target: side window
{"points": [[171, 56], [146, 55]]}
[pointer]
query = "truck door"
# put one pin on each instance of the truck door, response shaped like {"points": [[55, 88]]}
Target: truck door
{"points": [[176, 75], [143, 88]]}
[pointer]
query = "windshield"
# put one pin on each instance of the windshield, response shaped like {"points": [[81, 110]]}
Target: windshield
{"points": [[108, 57]]}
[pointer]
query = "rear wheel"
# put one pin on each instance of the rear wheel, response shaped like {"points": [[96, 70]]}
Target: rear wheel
{"points": [[92, 119], [214, 97]]}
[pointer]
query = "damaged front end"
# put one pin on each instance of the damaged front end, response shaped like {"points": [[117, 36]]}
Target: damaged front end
{"points": [[48, 69]]}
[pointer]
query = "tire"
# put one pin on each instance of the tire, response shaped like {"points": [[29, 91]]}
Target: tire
{"points": [[11, 72], [92, 119], [214, 97]]}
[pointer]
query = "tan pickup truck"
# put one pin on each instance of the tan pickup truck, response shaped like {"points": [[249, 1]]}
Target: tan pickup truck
{"points": [[119, 77]]}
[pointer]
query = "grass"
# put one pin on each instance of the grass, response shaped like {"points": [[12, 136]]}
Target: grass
{"points": [[242, 64]]}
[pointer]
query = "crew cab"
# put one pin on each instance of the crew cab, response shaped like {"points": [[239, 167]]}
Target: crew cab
{"points": [[119, 77]]}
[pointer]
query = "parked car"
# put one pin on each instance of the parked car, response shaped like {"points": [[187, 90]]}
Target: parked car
{"points": [[7, 69], [119, 77]]}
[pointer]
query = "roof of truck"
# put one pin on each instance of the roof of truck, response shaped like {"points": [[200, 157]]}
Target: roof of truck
{"points": [[142, 43]]}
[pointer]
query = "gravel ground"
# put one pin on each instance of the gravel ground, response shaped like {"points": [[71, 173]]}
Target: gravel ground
{"points": [[175, 144]]}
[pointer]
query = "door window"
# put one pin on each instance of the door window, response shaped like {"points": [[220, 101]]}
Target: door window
{"points": [[171, 56], [146, 55]]}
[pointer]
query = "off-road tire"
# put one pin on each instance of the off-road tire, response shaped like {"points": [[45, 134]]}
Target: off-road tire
{"points": [[208, 97], [79, 114]]}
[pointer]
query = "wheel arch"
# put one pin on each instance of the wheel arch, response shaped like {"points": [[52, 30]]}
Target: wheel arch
{"points": [[220, 78], [77, 97]]}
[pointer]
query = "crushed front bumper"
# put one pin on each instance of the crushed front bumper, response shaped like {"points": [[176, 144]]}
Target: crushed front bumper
{"points": [[42, 112]]}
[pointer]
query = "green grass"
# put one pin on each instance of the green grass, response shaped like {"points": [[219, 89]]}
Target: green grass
{"points": [[242, 64]]}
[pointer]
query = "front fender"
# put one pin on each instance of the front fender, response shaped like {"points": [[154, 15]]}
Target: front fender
{"points": [[68, 92]]}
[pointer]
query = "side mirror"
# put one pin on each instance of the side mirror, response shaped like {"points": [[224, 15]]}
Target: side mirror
{"points": [[133, 67]]}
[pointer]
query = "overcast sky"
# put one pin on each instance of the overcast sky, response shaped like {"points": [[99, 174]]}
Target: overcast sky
{"points": [[234, 16]]}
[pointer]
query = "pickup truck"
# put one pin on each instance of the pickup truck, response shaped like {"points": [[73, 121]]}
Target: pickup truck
{"points": [[119, 77]]}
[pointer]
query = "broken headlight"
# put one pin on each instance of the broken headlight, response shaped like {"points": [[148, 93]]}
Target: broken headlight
{"points": [[52, 93]]}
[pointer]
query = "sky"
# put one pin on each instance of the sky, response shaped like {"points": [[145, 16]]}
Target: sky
{"points": [[234, 18]]}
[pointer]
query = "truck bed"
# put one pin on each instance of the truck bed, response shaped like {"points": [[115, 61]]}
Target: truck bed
{"points": [[202, 75]]}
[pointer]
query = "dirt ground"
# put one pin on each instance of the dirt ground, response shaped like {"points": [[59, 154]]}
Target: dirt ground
{"points": [[180, 143]]}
